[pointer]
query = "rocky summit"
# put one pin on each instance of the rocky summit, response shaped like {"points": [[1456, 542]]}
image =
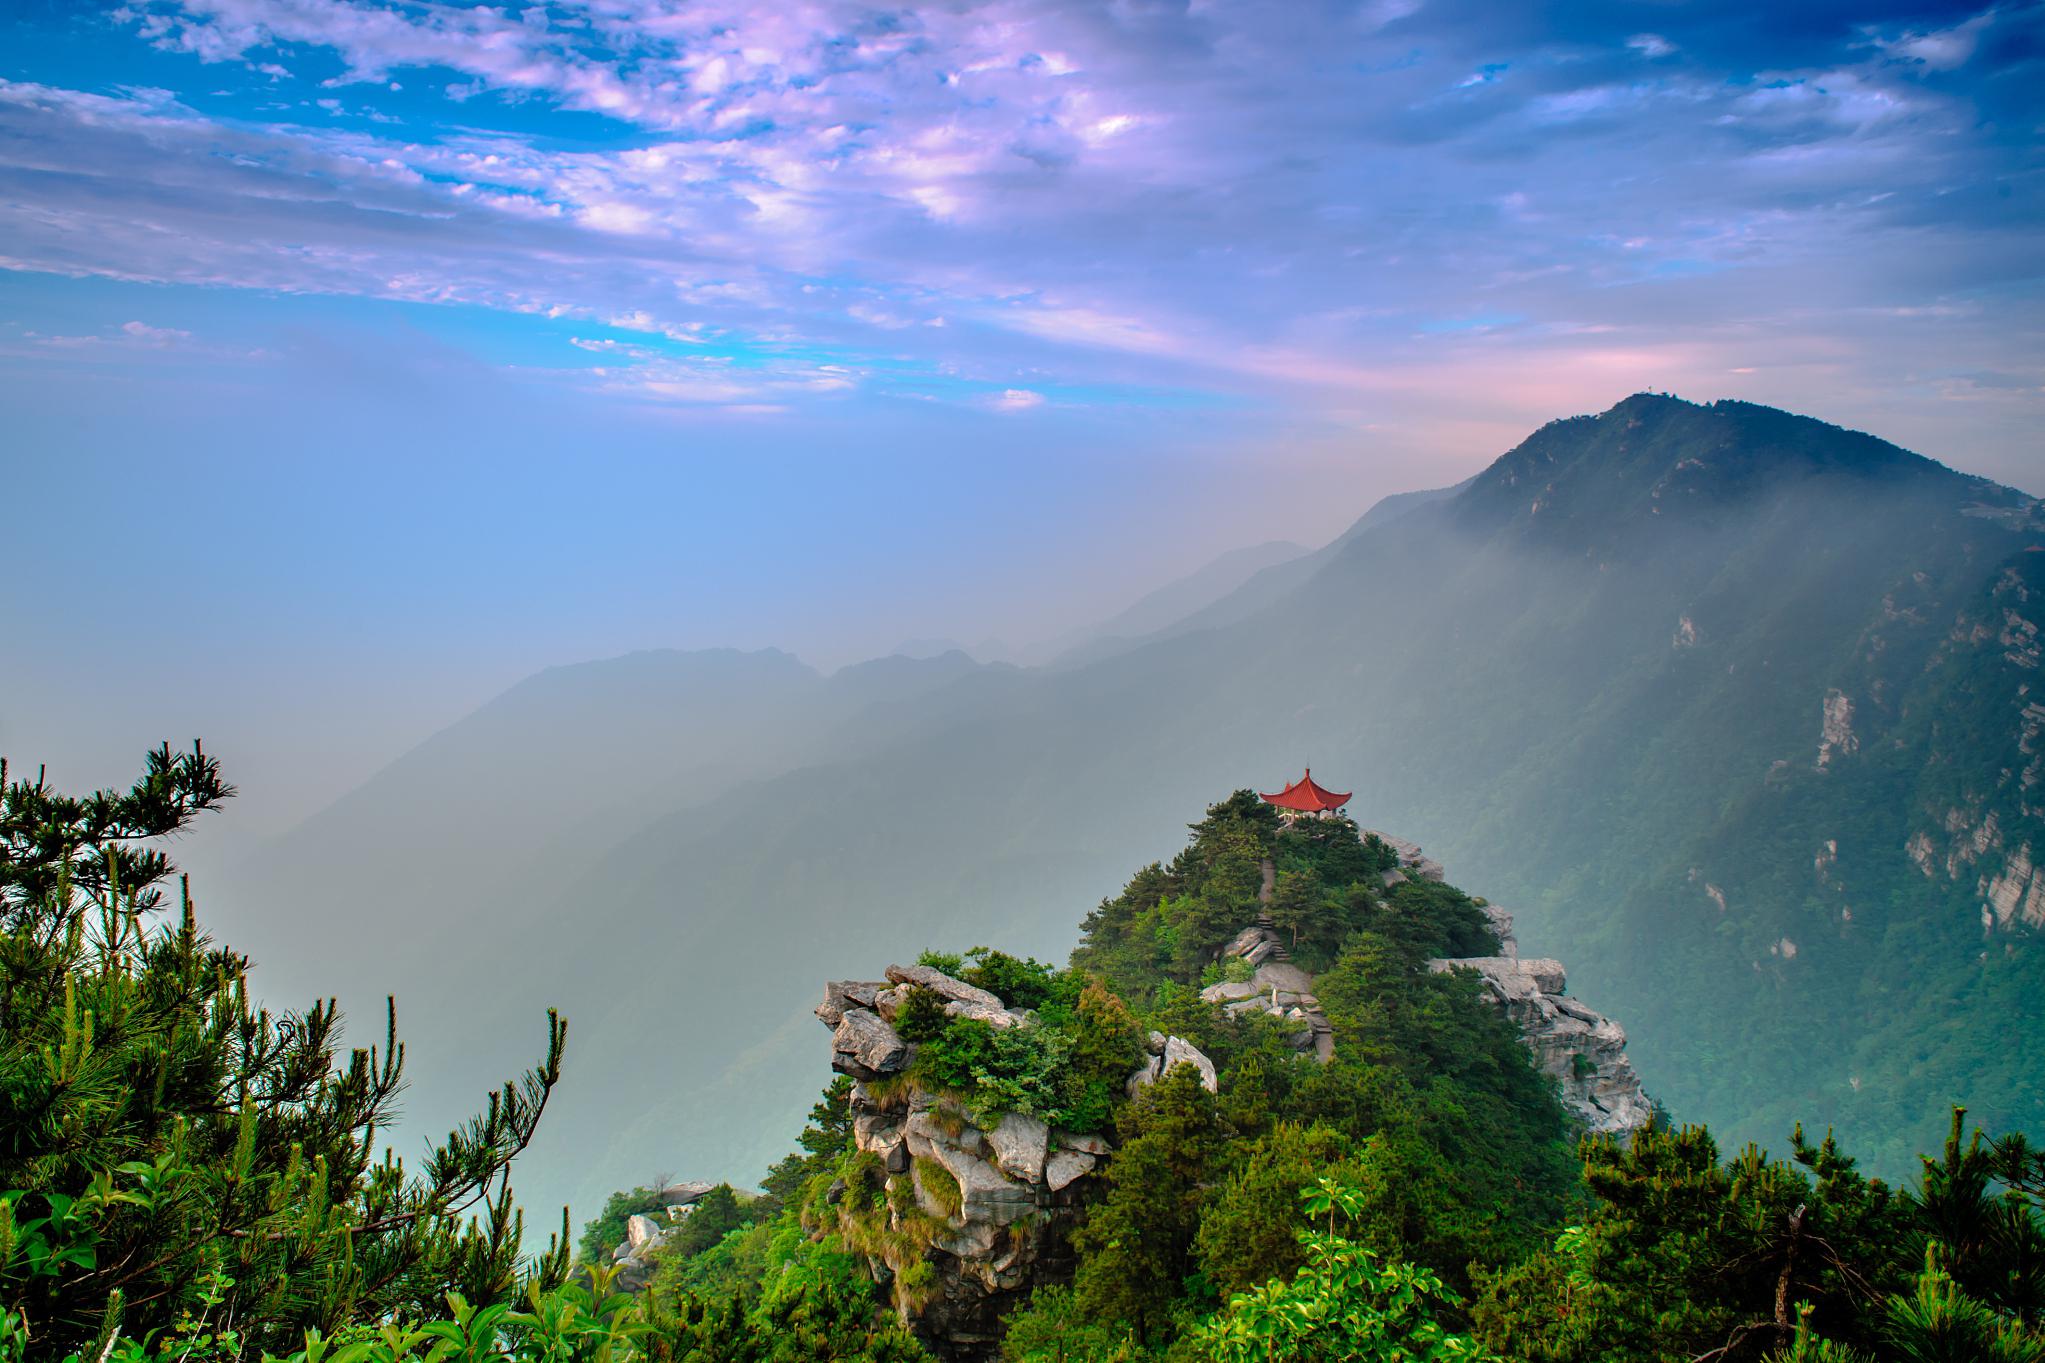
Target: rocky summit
{"points": [[960, 1217]]}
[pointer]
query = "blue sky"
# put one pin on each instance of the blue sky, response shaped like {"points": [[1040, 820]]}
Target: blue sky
{"points": [[394, 350]]}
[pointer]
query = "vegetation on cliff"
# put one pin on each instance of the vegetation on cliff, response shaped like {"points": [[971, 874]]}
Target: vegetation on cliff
{"points": [[1068, 1070]]}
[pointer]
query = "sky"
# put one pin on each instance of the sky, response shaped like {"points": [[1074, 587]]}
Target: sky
{"points": [[357, 359]]}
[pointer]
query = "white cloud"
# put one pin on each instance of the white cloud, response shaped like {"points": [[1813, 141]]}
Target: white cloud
{"points": [[1016, 400], [130, 339], [145, 334], [1944, 49]]}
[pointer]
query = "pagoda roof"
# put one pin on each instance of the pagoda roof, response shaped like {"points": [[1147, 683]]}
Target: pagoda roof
{"points": [[1308, 797]]}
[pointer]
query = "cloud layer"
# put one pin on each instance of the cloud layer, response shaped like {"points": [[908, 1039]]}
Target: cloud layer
{"points": [[1360, 211]]}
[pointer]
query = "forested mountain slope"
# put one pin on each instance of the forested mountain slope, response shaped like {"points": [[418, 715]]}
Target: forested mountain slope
{"points": [[1719, 699]]}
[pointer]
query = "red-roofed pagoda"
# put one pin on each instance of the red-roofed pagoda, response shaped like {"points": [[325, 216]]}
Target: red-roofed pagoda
{"points": [[1305, 797]]}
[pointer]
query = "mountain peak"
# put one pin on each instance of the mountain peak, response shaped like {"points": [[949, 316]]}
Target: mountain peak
{"points": [[1657, 459]]}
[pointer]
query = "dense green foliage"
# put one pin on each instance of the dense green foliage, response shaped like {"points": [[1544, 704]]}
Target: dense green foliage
{"points": [[1685, 1256], [1343, 1305], [1171, 922]]}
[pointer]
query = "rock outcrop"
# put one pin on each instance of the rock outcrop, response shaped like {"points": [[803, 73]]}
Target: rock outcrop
{"points": [[1167, 1051], [1275, 987], [864, 1046], [958, 1221], [2009, 880], [1583, 1049], [647, 1231], [1411, 860]]}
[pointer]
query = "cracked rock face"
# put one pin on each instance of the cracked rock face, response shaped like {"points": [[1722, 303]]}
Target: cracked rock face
{"points": [[937, 982], [1583, 1049], [1836, 738], [988, 1210]]}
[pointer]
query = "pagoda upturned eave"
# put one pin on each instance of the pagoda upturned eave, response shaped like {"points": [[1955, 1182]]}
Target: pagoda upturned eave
{"points": [[1307, 797]]}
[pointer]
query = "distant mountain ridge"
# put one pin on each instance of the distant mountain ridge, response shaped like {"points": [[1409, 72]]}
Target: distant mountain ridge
{"points": [[1719, 699]]}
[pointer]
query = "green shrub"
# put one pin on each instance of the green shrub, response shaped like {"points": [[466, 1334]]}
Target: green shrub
{"points": [[938, 1185], [920, 1016], [716, 1214], [1343, 1303], [1017, 982], [949, 1061], [914, 1283]]}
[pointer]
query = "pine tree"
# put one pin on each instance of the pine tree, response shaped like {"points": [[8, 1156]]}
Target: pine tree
{"points": [[1137, 1246], [169, 1148]]}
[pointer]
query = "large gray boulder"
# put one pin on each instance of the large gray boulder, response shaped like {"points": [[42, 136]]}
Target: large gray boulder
{"points": [[840, 996], [684, 1194], [1000, 1019], [1228, 991], [1019, 1144], [1066, 1167], [865, 1047], [937, 982], [985, 1194], [1177, 1051], [1085, 1142], [1282, 975], [641, 1231], [1515, 976]]}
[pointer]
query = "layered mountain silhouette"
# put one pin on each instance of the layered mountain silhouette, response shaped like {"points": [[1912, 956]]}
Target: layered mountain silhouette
{"points": [[1732, 707]]}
